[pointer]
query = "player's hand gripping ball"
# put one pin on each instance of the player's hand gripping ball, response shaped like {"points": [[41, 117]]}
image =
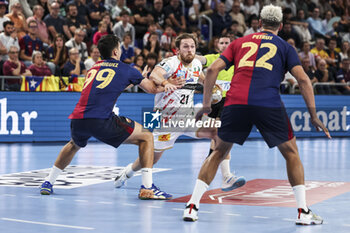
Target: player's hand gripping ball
{"points": [[216, 94]]}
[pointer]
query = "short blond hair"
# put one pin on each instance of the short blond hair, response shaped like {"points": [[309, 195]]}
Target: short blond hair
{"points": [[271, 16]]}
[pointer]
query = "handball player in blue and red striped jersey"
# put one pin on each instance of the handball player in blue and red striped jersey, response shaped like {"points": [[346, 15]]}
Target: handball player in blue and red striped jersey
{"points": [[261, 60], [93, 116]]}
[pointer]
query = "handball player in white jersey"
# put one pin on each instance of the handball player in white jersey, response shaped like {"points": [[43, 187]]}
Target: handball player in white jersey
{"points": [[176, 105]]}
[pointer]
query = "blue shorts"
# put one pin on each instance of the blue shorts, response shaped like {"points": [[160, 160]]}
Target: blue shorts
{"points": [[113, 131], [237, 121]]}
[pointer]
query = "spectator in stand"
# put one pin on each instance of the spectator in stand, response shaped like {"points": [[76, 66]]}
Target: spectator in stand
{"points": [[74, 21], [338, 7], [221, 20], [320, 52], [301, 26], [345, 48], [291, 5], [310, 6], [17, 17], [139, 62], [55, 23], [323, 76], [9, 37], [166, 38], [237, 16], [62, 4], [254, 26], [119, 7], [142, 18], [42, 33], [213, 45], [152, 27], [159, 14], [128, 54], [14, 67], [305, 63], [45, 5], [123, 27], [175, 16], [324, 6], [301, 5], [153, 45], [151, 62], [57, 53], [77, 42], [334, 57], [234, 30], [305, 52], [106, 17], [327, 17], [74, 65], [315, 24], [95, 56], [288, 32], [3, 18], [95, 9], [27, 12], [102, 30], [39, 67], [83, 12], [250, 8], [29, 43], [343, 76]]}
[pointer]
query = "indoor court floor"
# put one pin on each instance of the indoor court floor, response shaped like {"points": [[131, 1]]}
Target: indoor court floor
{"points": [[85, 199]]}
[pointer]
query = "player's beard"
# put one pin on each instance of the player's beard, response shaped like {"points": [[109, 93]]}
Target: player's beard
{"points": [[188, 58]]}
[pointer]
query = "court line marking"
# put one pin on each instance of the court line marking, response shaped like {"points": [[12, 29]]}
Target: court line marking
{"points": [[346, 225], [265, 217], [288, 219], [129, 204], [81, 200], [9, 195], [105, 202], [178, 209], [33, 196], [47, 224], [154, 206], [231, 214], [57, 198]]}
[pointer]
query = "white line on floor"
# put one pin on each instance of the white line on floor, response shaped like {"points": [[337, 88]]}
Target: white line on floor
{"points": [[178, 209], [9, 195], [346, 225], [47, 224], [81, 200], [289, 219], [260, 217], [230, 214], [153, 206], [206, 212], [57, 198], [129, 204], [105, 202], [34, 196]]}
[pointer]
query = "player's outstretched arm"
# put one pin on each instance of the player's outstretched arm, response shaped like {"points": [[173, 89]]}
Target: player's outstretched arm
{"points": [[157, 76], [308, 94]]}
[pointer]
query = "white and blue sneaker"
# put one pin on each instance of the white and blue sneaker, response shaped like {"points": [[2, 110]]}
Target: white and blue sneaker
{"points": [[46, 188], [121, 179], [153, 193], [308, 218], [232, 182], [190, 213]]}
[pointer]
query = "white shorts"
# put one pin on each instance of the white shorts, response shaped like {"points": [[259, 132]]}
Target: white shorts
{"points": [[165, 140]]}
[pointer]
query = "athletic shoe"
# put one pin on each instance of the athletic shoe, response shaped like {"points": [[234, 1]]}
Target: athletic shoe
{"points": [[232, 182], [46, 188], [153, 193], [190, 213], [121, 179], [308, 218]]}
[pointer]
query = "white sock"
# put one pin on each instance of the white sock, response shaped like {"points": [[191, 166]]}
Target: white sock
{"points": [[129, 172], [199, 189], [300, 197], [54, 173], [225, 168], [147, 177]]}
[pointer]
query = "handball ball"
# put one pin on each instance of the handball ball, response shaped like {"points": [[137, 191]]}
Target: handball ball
{"points": [[216, 94]]}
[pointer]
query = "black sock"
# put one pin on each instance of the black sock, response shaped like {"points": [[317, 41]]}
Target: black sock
{"points": [[210, 151]]}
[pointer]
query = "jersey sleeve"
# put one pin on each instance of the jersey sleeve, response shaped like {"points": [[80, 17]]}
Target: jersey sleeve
{"points": [[169, 65], [292, 58], [227, 55], [135, 77], [210, 59]]}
